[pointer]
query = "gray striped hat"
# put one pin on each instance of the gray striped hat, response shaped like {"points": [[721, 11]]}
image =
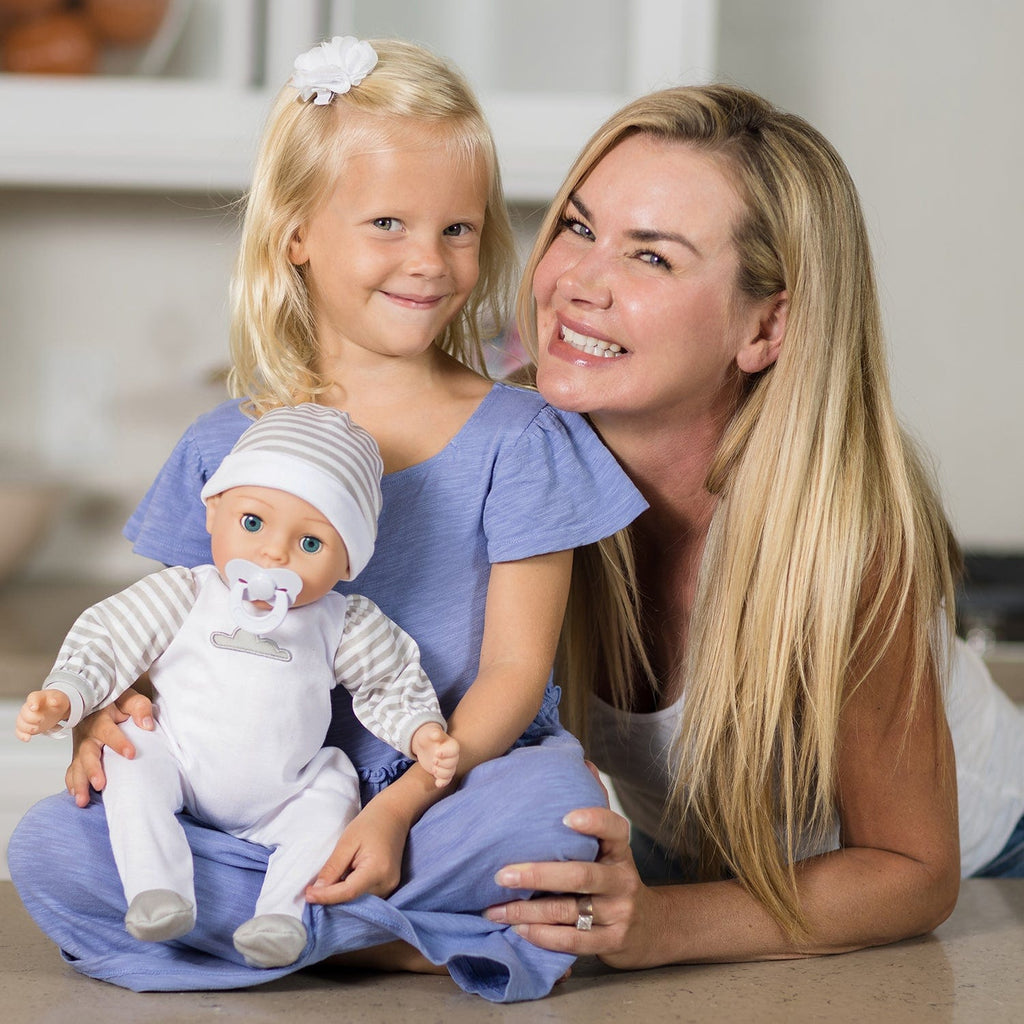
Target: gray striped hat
{"points": [[319, 455]]}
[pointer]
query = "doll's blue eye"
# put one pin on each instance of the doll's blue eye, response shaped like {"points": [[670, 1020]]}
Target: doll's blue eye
{"points": [[311, 545], [251, 523]]}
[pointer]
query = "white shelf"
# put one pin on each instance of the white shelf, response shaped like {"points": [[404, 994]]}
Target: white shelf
{"points": [[201, 136], [127, 133]]}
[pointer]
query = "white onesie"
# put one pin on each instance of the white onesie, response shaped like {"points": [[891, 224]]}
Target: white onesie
{"points": [[241, 721]]}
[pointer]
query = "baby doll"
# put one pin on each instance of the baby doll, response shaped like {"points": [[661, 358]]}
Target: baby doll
{"points": [[242, 656]]}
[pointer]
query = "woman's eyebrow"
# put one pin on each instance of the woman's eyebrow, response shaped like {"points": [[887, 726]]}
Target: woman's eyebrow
{"points": [[651, 235], [580, 205], [639, 234]]}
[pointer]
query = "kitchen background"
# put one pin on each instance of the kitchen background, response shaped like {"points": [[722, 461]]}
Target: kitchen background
{"points": [[117, 229], [118, 225]]}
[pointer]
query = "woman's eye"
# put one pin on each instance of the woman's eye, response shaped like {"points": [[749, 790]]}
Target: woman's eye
{"points": [[311, 545], [655, 259], [388, 223], [577, 227], [457, 230], [251, 523]]}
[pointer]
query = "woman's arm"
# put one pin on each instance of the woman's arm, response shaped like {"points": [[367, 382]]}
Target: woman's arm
{"points": [[896, 874], [525, 606]]}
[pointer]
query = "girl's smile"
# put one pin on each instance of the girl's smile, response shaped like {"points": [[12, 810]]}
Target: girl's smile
{"points": [[392, 255]]}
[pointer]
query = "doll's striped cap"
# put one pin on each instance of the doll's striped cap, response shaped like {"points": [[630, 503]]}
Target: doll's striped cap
{"points": [[318, 454]]}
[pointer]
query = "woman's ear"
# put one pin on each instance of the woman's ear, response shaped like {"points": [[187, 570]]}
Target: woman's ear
{"points": [[762, 350], [297, 249]]}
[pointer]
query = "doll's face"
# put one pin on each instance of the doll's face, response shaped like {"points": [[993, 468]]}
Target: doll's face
{"points": [[277, 530]]}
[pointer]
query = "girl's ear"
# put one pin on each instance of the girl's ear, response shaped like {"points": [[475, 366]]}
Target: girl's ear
{"points": [[762, 350], [297, 249]]}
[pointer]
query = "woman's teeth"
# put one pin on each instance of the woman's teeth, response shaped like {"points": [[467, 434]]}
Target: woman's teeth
{"points": [[592, 346]]}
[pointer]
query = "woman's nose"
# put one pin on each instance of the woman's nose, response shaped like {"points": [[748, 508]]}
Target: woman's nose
{"points": [[586, 281]]}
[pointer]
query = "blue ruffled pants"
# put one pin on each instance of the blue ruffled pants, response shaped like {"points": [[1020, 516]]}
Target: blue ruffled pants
{"points": [[506, 810]]}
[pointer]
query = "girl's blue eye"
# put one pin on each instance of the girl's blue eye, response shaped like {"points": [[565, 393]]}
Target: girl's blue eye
{"points": [[251, 523], [457, 230], [311, 545], [387, 223]]}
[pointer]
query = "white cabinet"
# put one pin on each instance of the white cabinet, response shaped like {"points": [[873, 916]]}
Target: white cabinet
{"points": [[548, 72]]}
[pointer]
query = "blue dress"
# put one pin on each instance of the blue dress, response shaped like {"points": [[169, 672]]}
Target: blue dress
{"points": [[520, 479]]}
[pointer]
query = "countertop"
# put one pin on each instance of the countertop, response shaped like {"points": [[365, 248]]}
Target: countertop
{"points": [[969, 969]]}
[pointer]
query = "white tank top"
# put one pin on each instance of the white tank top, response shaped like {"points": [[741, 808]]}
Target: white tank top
{"points": [[635, 752]]}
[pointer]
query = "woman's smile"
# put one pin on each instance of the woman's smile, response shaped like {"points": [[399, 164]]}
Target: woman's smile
{"points": [[592, 346]]}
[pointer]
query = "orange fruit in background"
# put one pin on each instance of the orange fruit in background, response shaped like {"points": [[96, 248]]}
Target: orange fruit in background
{"points": [[125, 22], [52, 44], [29, 7]]}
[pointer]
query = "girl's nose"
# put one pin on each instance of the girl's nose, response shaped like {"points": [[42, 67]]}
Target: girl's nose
{"points": [[425, 258]]}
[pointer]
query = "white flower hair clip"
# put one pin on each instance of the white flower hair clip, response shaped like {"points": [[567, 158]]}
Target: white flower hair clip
{"points": [[332, 67]]}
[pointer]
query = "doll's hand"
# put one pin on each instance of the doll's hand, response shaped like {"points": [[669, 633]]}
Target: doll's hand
{"points": [[368, 857], [437, 752], [101, 729], [42, 710]]}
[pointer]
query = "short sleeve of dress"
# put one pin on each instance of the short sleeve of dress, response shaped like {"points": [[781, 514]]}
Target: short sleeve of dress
{"points": [[169, 524], [556, 487]]}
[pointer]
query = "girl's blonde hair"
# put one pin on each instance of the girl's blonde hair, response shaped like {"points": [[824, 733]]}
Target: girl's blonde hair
{"points": [[827, 532], [273, 331]]}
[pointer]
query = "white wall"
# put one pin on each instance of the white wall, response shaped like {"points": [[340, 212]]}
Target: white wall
{"points": [[112, 321], [924, 102]]}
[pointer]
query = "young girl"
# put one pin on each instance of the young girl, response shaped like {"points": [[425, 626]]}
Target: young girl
{"points": [[375, 243]]}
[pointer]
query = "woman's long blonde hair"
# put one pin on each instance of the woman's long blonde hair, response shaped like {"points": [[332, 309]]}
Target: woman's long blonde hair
{"points": [[273, 331], [827, 532]]}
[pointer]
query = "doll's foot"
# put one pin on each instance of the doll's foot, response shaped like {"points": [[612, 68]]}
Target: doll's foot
{"points": [[158, 915], [270, 940]]}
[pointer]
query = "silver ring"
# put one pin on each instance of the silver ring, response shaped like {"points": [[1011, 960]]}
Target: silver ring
{"points": [[584, 914]]}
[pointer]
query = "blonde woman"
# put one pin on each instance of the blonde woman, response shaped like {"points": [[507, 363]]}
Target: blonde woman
{"points": [[760, 661]]}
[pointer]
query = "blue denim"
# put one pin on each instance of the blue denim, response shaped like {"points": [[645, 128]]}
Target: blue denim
{"points": [[506, 810], [1009, 863]]}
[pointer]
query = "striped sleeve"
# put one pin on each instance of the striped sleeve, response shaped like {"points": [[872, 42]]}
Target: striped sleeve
{"points": [[379, 664], [112, 643]]}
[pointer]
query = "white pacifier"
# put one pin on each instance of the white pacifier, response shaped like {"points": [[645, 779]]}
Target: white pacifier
{"points": [[249, 582]]}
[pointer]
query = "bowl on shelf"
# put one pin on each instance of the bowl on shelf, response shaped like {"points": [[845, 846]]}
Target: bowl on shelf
{"points": [[84, 37], [27, 511]]}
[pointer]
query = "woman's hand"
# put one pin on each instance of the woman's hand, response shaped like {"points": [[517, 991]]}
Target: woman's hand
{"points": [[367, 858], [621, 907], [101, 729]]}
